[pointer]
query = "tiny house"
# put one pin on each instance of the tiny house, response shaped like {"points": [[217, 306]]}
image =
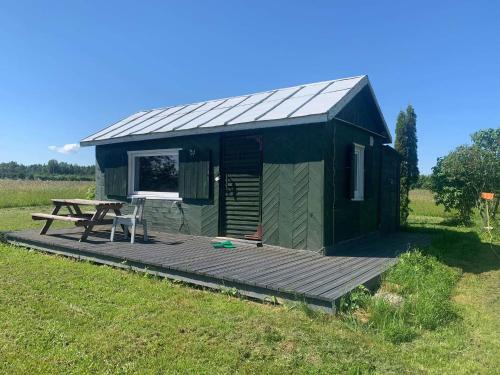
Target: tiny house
{"points": [[304, 167]]}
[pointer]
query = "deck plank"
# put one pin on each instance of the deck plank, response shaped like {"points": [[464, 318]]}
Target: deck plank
{"points": [[256, 271]]}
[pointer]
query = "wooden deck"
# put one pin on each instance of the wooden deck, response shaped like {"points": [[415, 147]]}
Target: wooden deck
{"points": [[256, 272]]}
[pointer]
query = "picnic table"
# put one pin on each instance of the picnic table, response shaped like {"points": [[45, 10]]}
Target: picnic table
{"points": [[77, 216]]}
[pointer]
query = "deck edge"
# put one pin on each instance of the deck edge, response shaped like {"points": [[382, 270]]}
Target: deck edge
{"points": [[249, 291]]}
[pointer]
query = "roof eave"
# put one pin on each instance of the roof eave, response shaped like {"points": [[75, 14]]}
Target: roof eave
{"points": [[311, 119]]}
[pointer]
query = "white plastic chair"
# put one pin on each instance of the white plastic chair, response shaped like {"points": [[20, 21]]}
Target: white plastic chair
{"points": [[132, 220]]}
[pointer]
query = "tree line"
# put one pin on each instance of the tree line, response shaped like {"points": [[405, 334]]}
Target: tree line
{"points": [[52, 170]]}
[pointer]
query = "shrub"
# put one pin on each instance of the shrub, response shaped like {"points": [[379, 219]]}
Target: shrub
{"points": [[90, 194], [356, 299], [460, 177]]}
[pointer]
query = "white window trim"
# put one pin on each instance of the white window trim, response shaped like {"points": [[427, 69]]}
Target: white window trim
{"points": [[131, 174], [359, 193]]}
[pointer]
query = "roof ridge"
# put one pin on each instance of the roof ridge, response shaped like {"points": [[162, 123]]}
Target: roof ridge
{"points": [[256, 93]]}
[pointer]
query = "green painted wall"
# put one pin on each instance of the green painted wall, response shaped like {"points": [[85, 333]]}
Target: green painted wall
{"points": [[293, 187], [362, 111], [198, 217], [355, 218], [389, 210], [304, 203], [292, 183]]}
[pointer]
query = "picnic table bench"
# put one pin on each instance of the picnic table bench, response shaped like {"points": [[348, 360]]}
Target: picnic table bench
{"points": [[77, 216]]}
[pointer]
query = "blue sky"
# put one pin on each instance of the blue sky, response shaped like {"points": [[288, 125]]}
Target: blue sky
{"points": [[71, 68]]}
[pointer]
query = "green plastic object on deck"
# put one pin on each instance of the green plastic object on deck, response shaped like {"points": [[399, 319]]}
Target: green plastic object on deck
{"points": [[223, 244]]}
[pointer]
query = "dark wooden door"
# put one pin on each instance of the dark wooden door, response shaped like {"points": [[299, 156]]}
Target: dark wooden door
{"points": [[241, 191]]}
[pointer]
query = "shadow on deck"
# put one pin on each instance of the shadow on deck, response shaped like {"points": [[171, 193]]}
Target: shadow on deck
{"points": [[256, 272]]}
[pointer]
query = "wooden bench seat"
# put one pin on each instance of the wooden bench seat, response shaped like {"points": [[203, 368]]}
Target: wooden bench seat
{"points": [[72, 219]]}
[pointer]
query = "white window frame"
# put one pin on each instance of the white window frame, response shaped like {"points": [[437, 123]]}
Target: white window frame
{"points": [[131, 174], [359, 185]]}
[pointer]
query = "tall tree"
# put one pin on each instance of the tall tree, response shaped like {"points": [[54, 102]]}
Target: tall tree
{"points": [[406, 145]]}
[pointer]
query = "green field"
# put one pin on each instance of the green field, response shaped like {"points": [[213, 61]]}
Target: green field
{"points": [[22, 193], [422, 204], [63, 316], [424, 210]]}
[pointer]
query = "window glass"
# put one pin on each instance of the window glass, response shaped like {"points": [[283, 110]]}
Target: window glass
{"points": [[159, 173]]}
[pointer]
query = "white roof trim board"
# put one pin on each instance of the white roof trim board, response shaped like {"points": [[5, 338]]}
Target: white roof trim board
{"points": [[305, 104]]}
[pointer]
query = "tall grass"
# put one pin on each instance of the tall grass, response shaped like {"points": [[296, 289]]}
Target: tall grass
{"points": [[423, 281], [23, 193], [422, 204], [425, 285]]}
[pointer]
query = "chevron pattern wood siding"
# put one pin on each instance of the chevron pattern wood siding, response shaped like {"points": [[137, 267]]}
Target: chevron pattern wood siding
{"points": [[300, 205], [315, 201], [293, 187], [270, 202]]}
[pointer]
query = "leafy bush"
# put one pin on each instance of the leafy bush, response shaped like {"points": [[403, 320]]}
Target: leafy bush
{"points": [[460, 177], [356, 299], [90, 194]]}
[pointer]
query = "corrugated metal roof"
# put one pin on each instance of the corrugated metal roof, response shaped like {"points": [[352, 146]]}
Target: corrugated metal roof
{"points": [[310, 103]]}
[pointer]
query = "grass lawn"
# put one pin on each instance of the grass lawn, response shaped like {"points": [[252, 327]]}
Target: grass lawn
{"points": [[22, 193], [424, 210], [15, 218], [58, 315]]}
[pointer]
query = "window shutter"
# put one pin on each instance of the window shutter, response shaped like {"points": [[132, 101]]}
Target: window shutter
{"points": [[116, 180], [194, 173], [368, 172], [349, 172]]}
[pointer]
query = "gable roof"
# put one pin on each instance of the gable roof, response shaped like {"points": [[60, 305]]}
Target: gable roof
{"points": [[304, 104]]}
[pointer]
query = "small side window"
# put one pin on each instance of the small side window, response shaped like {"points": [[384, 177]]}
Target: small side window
{"points": [[358, 165]]}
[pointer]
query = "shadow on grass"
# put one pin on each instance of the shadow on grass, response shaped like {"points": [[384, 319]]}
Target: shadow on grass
{"points": [[461, 248], [451, 222], [435, 220]]}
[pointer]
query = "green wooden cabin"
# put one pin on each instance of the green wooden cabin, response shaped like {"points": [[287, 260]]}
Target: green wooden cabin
{"points": [[304, 167]]}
